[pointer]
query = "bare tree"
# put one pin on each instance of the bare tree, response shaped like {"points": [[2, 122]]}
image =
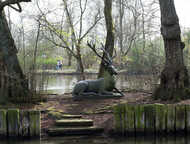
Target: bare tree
{"points": [[78, 31]]}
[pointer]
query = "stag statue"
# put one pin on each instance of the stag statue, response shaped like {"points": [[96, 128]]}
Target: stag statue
{"points": [[101, 87]]}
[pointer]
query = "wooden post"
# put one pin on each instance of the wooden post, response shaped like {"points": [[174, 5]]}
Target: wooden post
{"points": [[187, 121], [139, 119], [3, 123], [118, 119], [180, 118], [170, 118], [24, 124], [13, 122], [161, 114], [35, 128], [149, 119], [130, 120]]}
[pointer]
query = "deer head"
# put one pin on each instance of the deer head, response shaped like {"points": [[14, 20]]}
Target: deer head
{"points": [[107, 59]]}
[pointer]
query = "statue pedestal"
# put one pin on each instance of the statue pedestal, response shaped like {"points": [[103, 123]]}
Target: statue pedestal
{"points": [[92, 95]]}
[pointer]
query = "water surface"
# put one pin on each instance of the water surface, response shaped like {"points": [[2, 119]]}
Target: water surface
{"points": [[96, 140], [60, 83]]}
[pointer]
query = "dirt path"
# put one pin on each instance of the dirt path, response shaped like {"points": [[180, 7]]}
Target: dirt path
{"points": [[99, 110]]}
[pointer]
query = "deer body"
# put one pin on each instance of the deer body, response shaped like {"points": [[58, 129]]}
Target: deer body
{"points": [[95, 86]]}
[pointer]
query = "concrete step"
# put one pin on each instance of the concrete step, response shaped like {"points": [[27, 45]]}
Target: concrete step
{"points": [[74, 122], [74, 131]]}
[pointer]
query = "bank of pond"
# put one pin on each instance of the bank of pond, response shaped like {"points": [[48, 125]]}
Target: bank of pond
{"points": [[129, 121], [151, 119]]}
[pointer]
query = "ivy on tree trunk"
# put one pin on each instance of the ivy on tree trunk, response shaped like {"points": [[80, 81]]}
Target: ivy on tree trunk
{"points": [[174, 77]]}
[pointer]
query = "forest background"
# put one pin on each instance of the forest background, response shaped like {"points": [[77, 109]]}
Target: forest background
{"points": [[48, 31]]}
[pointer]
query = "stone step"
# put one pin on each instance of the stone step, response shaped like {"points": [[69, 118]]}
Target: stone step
{"points": [[68, 116], [74, 131], [74, 122]]}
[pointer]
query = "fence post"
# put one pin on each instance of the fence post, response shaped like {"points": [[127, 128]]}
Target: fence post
{"points": [[3, 123], [24, 123], [34, 127], [13, 122]]}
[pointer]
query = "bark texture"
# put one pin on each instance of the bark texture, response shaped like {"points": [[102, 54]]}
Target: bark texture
{"points": [[13, 85], [109, 46], [174, 78]]}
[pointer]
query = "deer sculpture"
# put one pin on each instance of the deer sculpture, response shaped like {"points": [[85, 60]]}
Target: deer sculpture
{"points": [[101, 86]]}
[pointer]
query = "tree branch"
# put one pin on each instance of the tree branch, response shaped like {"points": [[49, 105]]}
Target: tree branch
{"points": [[19, 8], [10, 2]]}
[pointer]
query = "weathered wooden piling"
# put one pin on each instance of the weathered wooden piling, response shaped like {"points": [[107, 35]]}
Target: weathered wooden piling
{"points": [[3, 123], [123, 119], [34, 126], [180, 118], [187, 120], [130, 119], [160, 119], [150, 115], [13, 122], [16, 123], [151, 119], [118, 113], [170, 119], [139, 119], [24, 124]]}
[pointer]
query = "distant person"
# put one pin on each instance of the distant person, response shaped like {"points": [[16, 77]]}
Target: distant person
{"points": [[58, 65]]}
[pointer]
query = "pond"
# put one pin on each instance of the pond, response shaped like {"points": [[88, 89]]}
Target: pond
{"points": [[61, 83], [99, 140]]}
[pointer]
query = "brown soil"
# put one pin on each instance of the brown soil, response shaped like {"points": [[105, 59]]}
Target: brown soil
{"points": [[100, 110]]}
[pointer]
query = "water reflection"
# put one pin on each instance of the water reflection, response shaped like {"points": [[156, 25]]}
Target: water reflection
{"points": [[65, 83], [95, 140]]}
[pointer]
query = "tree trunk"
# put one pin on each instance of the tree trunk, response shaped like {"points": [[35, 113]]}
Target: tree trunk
{"points": [[109, 46], [14, 80], [80, 67], [174, 78]]}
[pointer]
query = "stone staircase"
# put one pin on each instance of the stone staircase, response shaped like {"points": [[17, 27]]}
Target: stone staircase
{"points": [[74, 125]]}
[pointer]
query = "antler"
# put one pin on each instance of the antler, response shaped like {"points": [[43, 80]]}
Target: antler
{"points": [[93, 47], [107, 56], [107, 59]]}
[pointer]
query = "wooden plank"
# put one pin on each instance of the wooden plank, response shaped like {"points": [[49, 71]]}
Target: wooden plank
{"points": [[130, 119], [170, 119], [187, 121], [117, 110], [24, 124], [139, 119], [161, 117], [149, 119], [180, 118], [3, 123], [13, 122], [34, 127]]}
